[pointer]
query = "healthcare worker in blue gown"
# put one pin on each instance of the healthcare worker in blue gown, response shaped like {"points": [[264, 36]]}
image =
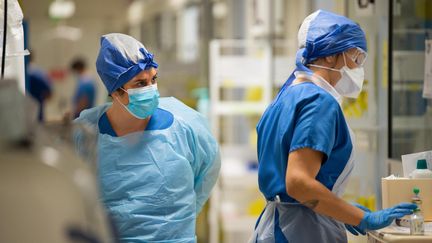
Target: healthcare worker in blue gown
{"points": [[305, 146], [157, 160]]}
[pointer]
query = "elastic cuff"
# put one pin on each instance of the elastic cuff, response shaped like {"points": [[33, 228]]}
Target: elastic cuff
{"points": [[363, 223]]}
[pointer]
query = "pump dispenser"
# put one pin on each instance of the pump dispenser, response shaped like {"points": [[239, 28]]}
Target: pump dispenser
{"points": [[422, 171]]}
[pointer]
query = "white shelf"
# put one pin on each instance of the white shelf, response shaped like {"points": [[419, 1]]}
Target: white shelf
{"points": [[237, 185], [365, 128], [238, 230], [239, 224], [235, 172], [408, 85], [239, 108], [410, 65], [245, 180], [362, 124], [238, 81], [411, 31], [411, 123], [405, 53]]}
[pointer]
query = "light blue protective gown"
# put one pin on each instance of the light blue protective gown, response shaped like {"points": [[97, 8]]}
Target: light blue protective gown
{"points": [[154, 183]]}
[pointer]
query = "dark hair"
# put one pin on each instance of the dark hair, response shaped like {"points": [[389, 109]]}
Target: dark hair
{"points": [[120, 91], [78, 64]]}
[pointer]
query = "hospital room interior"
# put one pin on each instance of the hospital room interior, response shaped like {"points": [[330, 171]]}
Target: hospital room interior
{"points": [[216, 121]]}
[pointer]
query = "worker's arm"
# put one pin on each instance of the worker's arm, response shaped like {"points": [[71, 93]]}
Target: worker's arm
{"points": [[303, 167], [304, 164]]}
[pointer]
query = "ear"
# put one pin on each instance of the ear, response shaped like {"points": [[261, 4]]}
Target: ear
{"points": [[331, 59], [116, 94], [119, 92]]}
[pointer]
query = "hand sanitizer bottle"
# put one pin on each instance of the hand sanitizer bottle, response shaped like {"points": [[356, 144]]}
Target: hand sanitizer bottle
{"points": [[417, 219], [417, 223], [422, 170]]}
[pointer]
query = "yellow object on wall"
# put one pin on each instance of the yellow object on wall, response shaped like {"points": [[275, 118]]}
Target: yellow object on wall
{"points": [[256, 207], [356, 108], [423, 9], [367, 201], [254, 94]]}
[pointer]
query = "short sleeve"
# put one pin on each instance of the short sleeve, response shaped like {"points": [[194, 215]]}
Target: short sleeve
{"points": [[315, 124]]}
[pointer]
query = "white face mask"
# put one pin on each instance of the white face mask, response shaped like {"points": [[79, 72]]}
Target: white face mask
{"points": [[351, 82]]}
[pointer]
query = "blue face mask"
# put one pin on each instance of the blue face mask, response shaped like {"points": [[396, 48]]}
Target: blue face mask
{"points": [[142, 101]]}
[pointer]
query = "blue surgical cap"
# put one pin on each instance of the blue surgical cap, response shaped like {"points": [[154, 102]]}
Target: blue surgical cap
{"points": [[121, 57], [324, 34]]}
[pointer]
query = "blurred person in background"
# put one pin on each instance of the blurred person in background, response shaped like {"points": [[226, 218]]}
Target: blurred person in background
{"points": [[38, 86], [85, 93], [158, 160]]}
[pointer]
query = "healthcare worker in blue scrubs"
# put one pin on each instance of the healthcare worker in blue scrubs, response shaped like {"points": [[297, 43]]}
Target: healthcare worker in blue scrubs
{"points": [[305, 146], [157, 160]]}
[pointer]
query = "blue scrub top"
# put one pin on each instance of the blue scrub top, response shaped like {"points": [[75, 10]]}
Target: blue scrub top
{"points": [[39, 87], [161, 119], [86, 87], [302, 116]]}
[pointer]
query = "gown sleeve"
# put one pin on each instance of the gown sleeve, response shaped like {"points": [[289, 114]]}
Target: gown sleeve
{"points": [[315, 125], [206, 163]]}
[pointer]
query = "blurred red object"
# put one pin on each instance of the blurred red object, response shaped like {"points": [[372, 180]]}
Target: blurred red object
{"points": [[58, 74]]}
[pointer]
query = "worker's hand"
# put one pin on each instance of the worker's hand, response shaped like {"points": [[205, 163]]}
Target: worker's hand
{"points": [[354, 229], [383, 218]]}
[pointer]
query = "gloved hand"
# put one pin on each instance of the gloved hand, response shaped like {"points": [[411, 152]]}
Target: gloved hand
{"points": [[383, 218], [354, 229]]}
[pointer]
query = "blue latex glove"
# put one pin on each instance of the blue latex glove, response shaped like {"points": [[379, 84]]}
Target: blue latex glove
{"points": [[354, 229], [383, 218]]}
